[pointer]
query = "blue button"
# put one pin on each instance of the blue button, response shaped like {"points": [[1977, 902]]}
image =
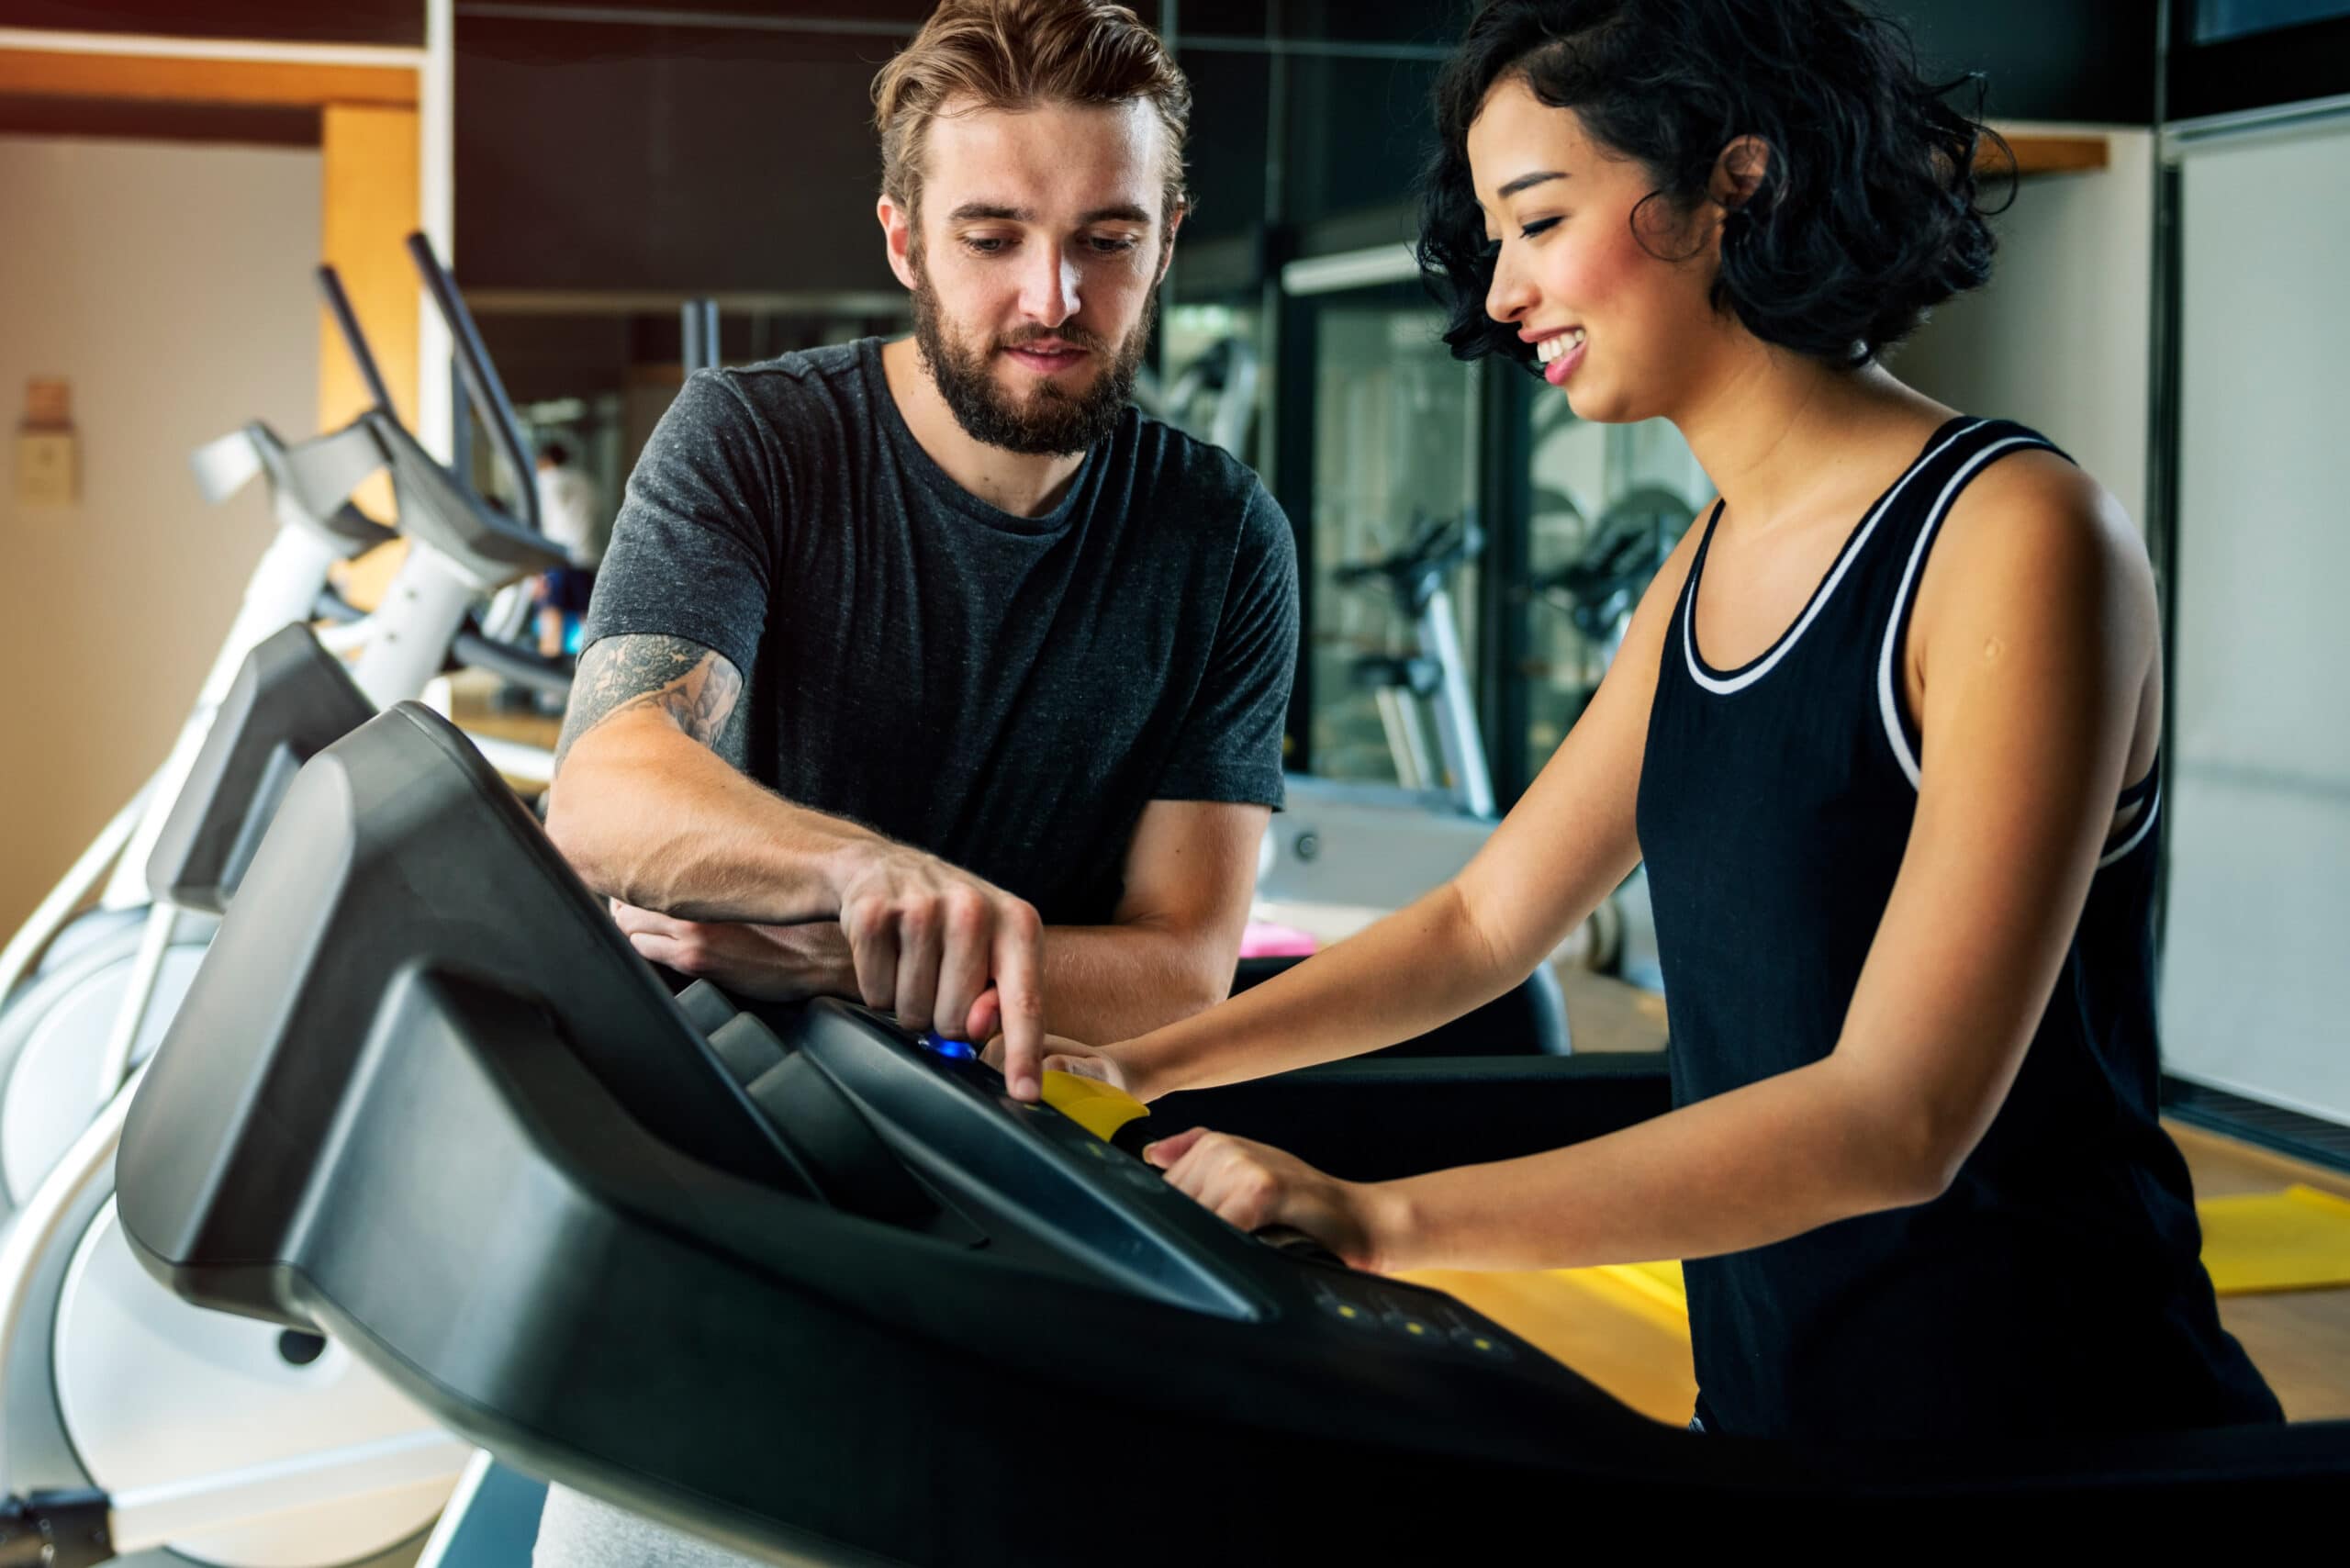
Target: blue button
{"points": [[953, 1050]]}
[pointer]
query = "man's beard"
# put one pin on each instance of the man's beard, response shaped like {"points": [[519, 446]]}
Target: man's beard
{"points": [[1050, 422]]}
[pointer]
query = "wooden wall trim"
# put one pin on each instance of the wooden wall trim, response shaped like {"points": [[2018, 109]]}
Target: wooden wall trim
{"points": [[171, 79], [2043, 153], [369, 207], [372, 203]]}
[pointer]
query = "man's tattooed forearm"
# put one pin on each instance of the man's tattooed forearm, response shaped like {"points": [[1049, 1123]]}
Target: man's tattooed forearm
{"points": [[696, 687]]}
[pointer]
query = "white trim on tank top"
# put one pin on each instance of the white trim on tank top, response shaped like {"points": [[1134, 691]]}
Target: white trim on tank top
{"points": [[1739, 682], [1885, 699], [2138, 834], [1886, 704]]}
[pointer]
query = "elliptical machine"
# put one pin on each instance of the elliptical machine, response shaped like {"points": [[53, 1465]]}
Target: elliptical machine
{"points": [[310, 487], [70, 976], [1212, 398], [1344, 852], [239, 1445], [69, 1038]]}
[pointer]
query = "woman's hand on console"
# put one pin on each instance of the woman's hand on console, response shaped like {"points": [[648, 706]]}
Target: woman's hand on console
{"points": [[1252, 1185], [1103, 1064]]}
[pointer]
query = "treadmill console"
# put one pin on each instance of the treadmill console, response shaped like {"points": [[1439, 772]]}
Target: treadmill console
{"points": [[1059, 1184], [408, 954]]}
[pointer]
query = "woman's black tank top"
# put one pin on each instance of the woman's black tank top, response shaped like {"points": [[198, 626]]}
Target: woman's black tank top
{"points": [[2057, 1285]]}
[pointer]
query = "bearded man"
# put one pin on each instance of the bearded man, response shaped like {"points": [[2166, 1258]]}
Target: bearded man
{"points": [[931, 672]]}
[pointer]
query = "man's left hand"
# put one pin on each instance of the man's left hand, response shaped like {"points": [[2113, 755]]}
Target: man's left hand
{"points": [[768, 963]]}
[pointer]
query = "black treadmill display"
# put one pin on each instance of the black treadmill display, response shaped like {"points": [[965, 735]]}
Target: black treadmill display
{"points": [[1042, 1186]]}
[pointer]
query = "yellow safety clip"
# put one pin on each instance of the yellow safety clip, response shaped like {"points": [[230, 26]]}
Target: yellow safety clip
{"points": [[1098, 1107]]}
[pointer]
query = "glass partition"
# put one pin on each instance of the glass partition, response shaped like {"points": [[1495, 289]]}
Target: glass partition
{"points": [[1606, 504], [1394, 427]]}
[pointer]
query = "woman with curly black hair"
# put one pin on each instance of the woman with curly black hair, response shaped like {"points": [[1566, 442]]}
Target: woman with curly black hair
{"points": [[1886, 732]]}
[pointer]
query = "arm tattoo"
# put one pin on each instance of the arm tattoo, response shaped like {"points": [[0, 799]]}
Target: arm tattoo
{"points": [[696, 687]]}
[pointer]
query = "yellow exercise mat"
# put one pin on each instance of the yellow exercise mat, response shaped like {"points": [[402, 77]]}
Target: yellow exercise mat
{"points": [[1658, 1284], [2298, 1239], [1626, 1326]]}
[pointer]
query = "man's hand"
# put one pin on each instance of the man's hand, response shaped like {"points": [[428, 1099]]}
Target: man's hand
{"points": [[771, 963], [942, 949], [1250, 1186]]}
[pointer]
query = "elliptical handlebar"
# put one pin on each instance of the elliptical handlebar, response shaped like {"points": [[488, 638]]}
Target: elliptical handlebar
{"points": [[480, 375], [520, 667], [347, 322]]}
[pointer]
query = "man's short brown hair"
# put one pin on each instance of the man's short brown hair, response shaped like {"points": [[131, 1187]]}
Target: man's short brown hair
{"points": [[1011, 55]]}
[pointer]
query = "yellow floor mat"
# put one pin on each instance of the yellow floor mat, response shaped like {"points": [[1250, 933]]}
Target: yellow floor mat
{"points": [[2298, 1239], [1627, 1326], [1657, 1284]]}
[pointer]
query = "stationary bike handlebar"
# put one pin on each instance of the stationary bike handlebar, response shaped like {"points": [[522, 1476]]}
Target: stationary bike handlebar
{"points": [[1416, 572]]}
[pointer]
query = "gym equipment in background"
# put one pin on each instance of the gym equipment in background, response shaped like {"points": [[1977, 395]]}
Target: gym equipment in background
{"points": [[309, 485], [1436, 673], [1597, 593], [232, 1443], [67, 978], [70, 1038], [1344, 851], [698, 335], [1599, 590], [1212, 398], [238, 1446]]}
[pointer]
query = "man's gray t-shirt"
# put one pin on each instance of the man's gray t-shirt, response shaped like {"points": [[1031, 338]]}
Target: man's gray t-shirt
{"points": [[1006, 692]]}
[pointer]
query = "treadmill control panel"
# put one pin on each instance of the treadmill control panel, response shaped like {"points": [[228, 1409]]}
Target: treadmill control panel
{"points": [[1060, 1183]]}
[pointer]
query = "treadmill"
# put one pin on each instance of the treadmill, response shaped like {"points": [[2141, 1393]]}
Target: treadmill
{"points": [[808, 1286]]}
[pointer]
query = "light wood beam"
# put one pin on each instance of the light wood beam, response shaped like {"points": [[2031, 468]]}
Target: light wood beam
{"points": [[164, 79], [371, 204], [2045, 153]]}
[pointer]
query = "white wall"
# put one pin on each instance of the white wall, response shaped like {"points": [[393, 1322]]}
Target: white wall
{"points": [[2058, 339], [2257, 975], [2254, 998], [171, 284]]}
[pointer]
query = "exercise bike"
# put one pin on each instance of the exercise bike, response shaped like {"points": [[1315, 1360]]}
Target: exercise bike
{"points": [[1345, 851]]}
